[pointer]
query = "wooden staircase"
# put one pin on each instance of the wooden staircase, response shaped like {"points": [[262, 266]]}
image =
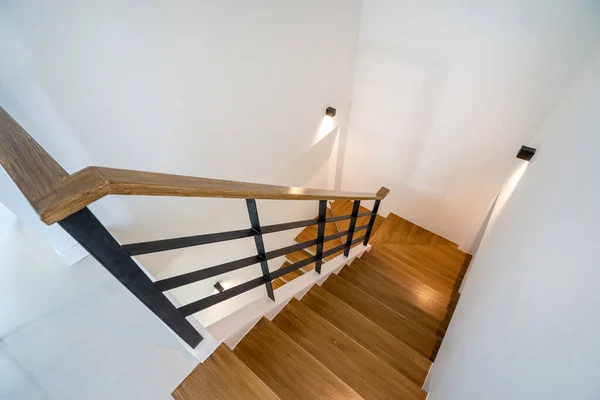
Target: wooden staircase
{"points": [[370, 332]]}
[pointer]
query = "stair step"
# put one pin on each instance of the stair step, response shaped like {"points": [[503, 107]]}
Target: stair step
{"points": [[389, 262], [397, 230], [344, 207], [394, 301], [222, 376], [384, 345], [422, 258], [277, 283], [286, 368], [418, 299], [447, 257], [387, 270], [410, 333], [299, 256], [290, 276], [368, 375]]}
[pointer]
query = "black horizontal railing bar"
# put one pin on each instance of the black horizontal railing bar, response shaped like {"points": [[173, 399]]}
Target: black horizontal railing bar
{"points": [[360, 228], [365, 214], [206, 302], [334, 250], [209, 301], [195, 276], [156, 246], [340, 218], [309, 260], [293, 267], [360, 239], [335, 236], [287, 226], [289, 249]]}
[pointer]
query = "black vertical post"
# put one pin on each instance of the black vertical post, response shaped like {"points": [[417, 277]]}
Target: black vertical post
{"points": [[321, 234], [260, 245], [371, 222], [93, 236], [355, 208]]}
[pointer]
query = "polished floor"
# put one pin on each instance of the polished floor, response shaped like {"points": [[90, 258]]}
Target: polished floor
{"points": [[73, 333]]}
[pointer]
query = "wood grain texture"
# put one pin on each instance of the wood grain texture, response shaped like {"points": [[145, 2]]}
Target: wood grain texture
{"points": [[28, 165], [298, 256], [290, 276], [222, 377], [286, 368], [277, 283], [384, 345], [410, 333], [396, 230], [367, 374], [393, 301], [382, 267], [344, 207], [83, 188]]}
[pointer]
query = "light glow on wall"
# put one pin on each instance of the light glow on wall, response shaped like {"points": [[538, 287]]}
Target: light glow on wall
{"points": [[327, 125]]}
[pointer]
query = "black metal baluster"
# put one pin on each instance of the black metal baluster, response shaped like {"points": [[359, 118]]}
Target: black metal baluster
{"points": [[371, 222], [93, 236], [355, 208], [260, 245], [321, 234]]}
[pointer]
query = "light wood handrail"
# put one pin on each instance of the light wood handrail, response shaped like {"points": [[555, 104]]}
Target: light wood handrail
{"points": [[56, 195]]}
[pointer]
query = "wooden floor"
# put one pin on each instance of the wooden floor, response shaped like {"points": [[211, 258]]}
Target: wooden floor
{"points": [[370, 332]]}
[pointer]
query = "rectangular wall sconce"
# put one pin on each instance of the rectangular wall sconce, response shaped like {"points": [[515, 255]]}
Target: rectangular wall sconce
{"points": [[526, 153]]}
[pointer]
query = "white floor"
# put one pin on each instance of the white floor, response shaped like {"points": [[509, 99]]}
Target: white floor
{"points": [[75, 332]]}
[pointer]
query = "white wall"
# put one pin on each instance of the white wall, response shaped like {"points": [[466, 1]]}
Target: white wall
{"points": [[445, 93], [224, 89], [526, 326]]}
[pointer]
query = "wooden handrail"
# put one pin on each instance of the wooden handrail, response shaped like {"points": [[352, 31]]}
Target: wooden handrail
{"points": [[56, 195]]}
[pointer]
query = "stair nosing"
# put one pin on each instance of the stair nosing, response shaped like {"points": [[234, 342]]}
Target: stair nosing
{"points": [[318, 317], [384, 305]]}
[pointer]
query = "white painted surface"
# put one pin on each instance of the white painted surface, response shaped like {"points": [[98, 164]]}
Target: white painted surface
{"points": [[526, 326], [63, 244], [76, 333], [224, 89], [445, 93]]}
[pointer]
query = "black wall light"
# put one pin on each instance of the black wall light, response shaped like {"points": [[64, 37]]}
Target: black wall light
{"points": [[330, 112], [526, 153], [219, 287]]}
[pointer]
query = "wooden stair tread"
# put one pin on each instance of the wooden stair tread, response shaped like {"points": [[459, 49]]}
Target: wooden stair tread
{"points": [[419, 298], [386, 269], [290, 276], [396, 230], [298, 256], [394, 301], [432, 257], [344, 207], [368, 375], [286, 368], [378, 341], [277, 283], [389, 259], [222, 376], [410, 333]]}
